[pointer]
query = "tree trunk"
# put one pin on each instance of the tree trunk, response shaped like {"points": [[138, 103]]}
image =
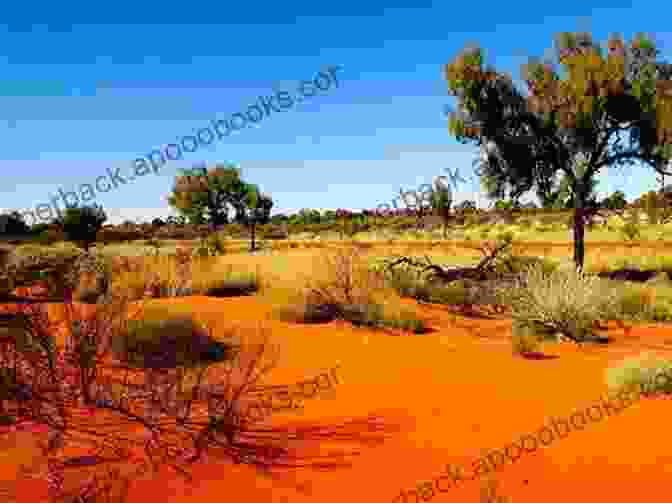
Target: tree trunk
{"points": [[253, 246], [579, 226]]}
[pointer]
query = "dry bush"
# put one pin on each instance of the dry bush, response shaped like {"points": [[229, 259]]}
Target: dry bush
{"points": [[347, 280], [565, 300], [154, 276], [346, 288], [343, 283]]}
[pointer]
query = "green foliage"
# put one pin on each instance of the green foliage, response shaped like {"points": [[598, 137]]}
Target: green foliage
{"points": [[82, 224], [630, 231], [525, 338], [234, 286], [38, 229], [615, 201], [171, 343], [406, 321], [13, 224], [646, 373], [504, 205]]}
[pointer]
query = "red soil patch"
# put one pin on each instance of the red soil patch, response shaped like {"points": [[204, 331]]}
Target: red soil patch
{"points": [[453, 392]]}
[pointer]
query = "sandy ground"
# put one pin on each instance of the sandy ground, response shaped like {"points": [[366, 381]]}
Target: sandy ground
{"points": [[452, 394]]}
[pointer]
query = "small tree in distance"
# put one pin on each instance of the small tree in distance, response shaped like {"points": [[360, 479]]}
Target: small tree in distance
{"points": [[442, 199], [82, 224]]}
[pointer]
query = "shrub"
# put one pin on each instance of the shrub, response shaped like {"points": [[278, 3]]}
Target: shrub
{"points": [[172, 343], [525, 343], [406, 321], [233, 286], [13, 224], [406, 283], [635, 303], [630, 231], [347, 280], [216, 244], [348, 289], [642, 373], [566, 301], [155, 243]]}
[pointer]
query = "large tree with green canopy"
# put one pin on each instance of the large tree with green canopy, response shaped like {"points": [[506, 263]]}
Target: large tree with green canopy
{"points": [[572, 125], [208, 195], [203, 194]]}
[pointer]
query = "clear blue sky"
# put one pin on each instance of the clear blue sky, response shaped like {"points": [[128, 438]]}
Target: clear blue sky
{"points": [[92, 86]]}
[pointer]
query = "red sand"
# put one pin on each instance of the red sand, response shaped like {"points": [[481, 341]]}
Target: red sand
{"points": [[454, 393]]}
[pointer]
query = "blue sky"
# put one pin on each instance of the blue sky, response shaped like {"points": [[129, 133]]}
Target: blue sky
{"points": [[87, 88]]}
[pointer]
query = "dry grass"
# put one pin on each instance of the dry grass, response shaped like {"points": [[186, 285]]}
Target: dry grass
{"points": [[341, 285]]}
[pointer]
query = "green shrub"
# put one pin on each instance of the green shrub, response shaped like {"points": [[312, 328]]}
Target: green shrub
{"points": [[177, 342], [216, 244], [201, 251], [661, 312], [630, 231], [233, 286], [632, 304], [645, 373], [408, 322], [565, 301], [524, 338], [406, 283], [374, 315]]}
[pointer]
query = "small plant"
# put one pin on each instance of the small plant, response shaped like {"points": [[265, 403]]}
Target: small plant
{"points": [[407, 322], [156, 244], [233, 286], [215, 244], [636, 303], [646, 372], [630, 231], [524, 338]]}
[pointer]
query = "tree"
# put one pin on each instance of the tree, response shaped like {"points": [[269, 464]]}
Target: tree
{"points": [[279, 218], [615, 201], [81, 224], [258, 211], [564, 197], [442, 198], [571, 125], [467, 205], [13, 224], [201, 193]]}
